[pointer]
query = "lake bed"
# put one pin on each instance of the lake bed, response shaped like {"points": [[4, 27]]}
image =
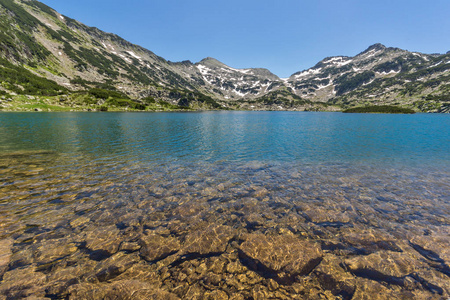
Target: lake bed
{"points": [[224, 205]]}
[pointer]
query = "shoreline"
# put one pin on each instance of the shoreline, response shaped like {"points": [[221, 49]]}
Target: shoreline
{"points": [[30, 103]]}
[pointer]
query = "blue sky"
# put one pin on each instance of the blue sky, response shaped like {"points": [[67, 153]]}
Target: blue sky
{"points": [[284, 36]]}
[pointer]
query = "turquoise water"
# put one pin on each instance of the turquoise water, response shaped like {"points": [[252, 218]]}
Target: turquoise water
{"points": [[82, 195], [311, 138]]}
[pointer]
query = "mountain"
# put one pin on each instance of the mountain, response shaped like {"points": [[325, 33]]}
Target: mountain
{"points": [[52, 57], [44, 52], [378, 75]]}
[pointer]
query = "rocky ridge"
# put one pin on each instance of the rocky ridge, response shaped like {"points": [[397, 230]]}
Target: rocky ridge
{"points": [[76, 57]]}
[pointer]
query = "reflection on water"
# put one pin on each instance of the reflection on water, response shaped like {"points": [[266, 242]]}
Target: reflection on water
{"points": [[224, 205], [233, 136]]}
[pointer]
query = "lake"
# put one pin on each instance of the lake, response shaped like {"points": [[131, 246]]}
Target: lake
{"points": [[225, 205]]}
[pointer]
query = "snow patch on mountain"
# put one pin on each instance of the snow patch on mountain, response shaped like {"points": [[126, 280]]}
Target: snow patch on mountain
{"points": [[371, 53], [240, 93], [204, 70], [420, 55], [387, 73], [255, 84], [320, 87], [308, 72], [338, 61], [245, 71], [435, 65], [133, 54], [343, 63], [226, 70], [333, 59], [126, 58], [367, 83]]}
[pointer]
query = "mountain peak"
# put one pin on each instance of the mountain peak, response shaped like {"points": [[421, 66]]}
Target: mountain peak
{"points": [[376, 47], [211, 62]]}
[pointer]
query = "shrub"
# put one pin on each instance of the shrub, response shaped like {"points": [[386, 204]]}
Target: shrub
{"points": [[149, 100], [105, 94], [388, 109]]}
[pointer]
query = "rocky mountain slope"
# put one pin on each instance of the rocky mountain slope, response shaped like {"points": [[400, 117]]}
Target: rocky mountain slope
{"points": [[379, 75], [37, 42], [45, 53]]}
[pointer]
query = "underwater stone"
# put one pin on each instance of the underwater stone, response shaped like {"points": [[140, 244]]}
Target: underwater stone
{"points": [[280, 254], [5, 254], [385, 262], [156, 247], [103, 239], [210, 240], [125, 289]]}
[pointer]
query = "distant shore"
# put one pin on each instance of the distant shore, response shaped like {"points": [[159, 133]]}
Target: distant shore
{"points": [[77, 103]]}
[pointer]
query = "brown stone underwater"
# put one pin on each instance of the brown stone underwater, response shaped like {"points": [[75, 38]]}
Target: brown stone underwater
{"points": [[249, 230]]}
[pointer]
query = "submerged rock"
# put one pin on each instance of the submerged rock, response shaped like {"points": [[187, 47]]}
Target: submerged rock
{"points": [[401, 272], [216, 232], [332, 277], [114, 266], [22, 283], [102, 241], [284, 256], [5, 255], [49, 251], [125, 289], [79, 221], [434, 245], [387, 263], [129, 246], [156, 247], [210, 240]]}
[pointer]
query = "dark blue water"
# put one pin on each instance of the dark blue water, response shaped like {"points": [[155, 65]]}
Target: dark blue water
{"points": [[296, 137]]}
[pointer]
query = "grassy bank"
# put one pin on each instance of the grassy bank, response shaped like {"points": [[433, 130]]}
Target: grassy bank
{"points": [[81, 102]]}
